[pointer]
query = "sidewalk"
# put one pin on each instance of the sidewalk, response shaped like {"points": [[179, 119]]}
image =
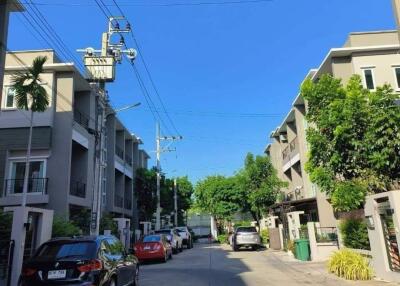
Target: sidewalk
{"points": [[315, 270]]}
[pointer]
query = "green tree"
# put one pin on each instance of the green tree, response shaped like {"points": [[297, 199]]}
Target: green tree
{"points": [[30, 95], [145, 189], [259, 181], [354, 142], [218, 196], [64, 228]]}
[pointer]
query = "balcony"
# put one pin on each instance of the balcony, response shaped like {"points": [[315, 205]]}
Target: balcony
{"points": [[78, 189], [35, 186], [119, 152], [128, 204], [128, 159], [118, 201], [81, 119], [290, 154]]}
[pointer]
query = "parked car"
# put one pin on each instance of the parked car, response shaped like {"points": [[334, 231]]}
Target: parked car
{"points": [[91, 260], [153, 247], [245, 236], [187, 238], [173, 238]]}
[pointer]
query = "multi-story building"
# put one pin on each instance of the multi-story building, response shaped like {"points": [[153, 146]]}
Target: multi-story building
{"points": [[372, 55], [63, 163], [6, 6]]}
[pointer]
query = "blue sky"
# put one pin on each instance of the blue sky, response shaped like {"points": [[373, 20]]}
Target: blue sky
{"points": [[213, 66]]}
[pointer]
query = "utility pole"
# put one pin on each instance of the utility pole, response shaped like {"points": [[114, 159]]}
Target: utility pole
{"points": [[159, 151], [100, 66], [175, 203]]}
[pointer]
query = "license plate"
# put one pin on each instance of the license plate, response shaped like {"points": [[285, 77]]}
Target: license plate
{"points": [[56, 274], [146, 248]]}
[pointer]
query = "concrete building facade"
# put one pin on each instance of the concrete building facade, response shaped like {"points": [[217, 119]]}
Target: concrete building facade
{"points": [[372, 55], [62, 168]]}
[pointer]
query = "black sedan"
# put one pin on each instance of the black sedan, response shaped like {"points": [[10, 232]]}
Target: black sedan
{"points": [[84, 261]]}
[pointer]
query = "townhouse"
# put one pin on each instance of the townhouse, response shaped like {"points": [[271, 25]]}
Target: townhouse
{"points": [[372, 55], [63, 163]]}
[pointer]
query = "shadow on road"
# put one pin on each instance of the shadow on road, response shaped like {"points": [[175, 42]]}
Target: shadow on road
{"points": [[205, 264]]}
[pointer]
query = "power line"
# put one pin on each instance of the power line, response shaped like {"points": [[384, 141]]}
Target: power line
{"points": [[176, 4], [143, 88], [147, 70]]}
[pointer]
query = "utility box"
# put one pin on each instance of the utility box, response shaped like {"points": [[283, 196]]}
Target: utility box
{"points": [[382, 212]]}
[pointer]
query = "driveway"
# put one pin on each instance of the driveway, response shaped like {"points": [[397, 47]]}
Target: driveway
{"points": [[219, 266]]}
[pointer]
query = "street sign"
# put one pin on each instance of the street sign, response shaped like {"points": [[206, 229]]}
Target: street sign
{"points": [[93, 220]]}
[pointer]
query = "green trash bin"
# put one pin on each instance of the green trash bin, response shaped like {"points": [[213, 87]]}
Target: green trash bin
{"points": [[302, 247]]}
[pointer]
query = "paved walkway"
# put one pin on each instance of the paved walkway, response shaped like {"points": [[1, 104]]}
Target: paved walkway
{"points": [[219, 266]]}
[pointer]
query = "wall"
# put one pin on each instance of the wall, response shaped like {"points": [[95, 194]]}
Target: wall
{"points": [[59, 165]]}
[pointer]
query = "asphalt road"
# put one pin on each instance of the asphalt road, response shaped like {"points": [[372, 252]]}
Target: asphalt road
{"points": [[215, 265]]}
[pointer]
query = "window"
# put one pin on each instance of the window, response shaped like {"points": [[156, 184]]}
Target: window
{"points": [[37, 181], [9, 98], [397, 75], [57, 250], [369, 79]]}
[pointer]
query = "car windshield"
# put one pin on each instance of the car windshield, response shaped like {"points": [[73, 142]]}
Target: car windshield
{"points": [[60, 250], [183, 229], [151, 238], [246, 229]]}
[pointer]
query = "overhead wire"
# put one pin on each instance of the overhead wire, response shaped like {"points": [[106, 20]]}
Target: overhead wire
{"points": [[144, 90], [147, 70]]}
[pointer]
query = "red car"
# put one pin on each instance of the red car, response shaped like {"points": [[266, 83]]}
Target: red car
{"points": [[153, 247]]}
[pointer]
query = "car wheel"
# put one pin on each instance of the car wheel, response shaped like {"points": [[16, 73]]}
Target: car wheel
{"points": [[170, 255], [235, 248], [254, 247], [165, 257], [181, 248], [112, 282], [136, 280]]}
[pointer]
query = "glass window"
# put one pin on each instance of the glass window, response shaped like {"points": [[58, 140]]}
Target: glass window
{"points": [[397, 73], [369, 79], [151, 238], [246, 229], [9, 98], [57, 250], [36, 181]]}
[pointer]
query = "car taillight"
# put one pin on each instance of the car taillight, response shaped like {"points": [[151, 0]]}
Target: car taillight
{"points": [[157, 246], [92, 265], [28, 271]]}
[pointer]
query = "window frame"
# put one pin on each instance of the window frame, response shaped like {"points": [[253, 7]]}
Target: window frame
{"points": [[372, 69], [9, 169], [397, 85], [5, 95]]}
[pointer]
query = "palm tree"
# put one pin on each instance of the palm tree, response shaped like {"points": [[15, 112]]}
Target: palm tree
{"points": [[30, 95]]}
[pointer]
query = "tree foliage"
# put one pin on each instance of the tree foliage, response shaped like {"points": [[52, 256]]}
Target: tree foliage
{"points": [[29, 92], [146, 192], [253, 189], [354, 139], [259, 181]]}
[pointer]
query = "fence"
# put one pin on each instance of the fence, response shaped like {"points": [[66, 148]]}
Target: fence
{"points": [[78, 189], [326, 234], [35, 185], [6, 260]]}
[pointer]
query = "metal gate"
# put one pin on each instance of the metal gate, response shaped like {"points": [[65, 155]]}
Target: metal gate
{"points": [[6, 260]]}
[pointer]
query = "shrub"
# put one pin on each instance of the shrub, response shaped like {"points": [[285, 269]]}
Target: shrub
{"points": [[223, 238], [264, 236], [107, 223], [350, 265], [355, 234], [63, 228], [291, 247], [243, 223]]}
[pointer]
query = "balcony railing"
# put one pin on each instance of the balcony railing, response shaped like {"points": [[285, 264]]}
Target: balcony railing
{"points": [[118, 201], [35, 186], [291, 150], [80, 118], [128, 204], [128, 159], [119, 152], [78, 189]]}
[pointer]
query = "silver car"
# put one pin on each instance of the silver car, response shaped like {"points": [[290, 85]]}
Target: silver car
{"points": [[246, 236]]}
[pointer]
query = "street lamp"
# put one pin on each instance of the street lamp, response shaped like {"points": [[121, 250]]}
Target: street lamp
{"points": [[127, 107]]}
